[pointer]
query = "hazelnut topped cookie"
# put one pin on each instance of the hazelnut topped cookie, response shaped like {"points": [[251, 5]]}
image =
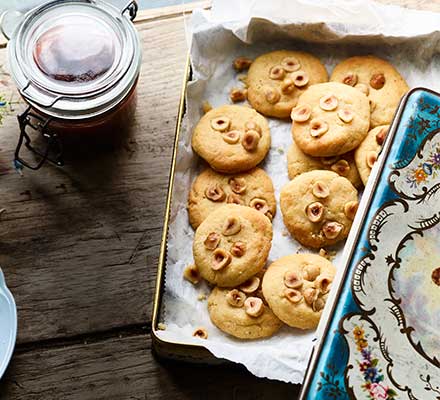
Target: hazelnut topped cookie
{"points": [[232, 244], [330, 119], [318, 208], [378, 79], [211, 190], [277, 79], [232, 138], [296, 288]]}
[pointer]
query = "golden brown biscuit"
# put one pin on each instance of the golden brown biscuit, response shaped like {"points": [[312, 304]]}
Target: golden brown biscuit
{"points": [[378, 79], [232, 138], [366, 154], [211, 190], [318, 208], [344, 165], [277, 79], [296, 288], [232, 244], [330, 119]]}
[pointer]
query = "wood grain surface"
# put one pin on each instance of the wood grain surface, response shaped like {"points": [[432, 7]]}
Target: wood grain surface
{"points": [[79, 247]]}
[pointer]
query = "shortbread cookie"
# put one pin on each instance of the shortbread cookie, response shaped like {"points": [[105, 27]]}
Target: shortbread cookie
{"points": [[344, 165], [318, 207], [212, 190], [378, 79], [232, 138], [330, 119], [296, 288], [242, 315], [277, 79], [366, 154], [232, 244]]}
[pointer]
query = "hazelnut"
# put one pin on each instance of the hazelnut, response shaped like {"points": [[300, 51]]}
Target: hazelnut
{"points": [[231, 137], [237, 94], [192, 274], [310, 295], [212, 240], [238, 249], [318, 127], [342, 167], [221, 259], [277, 72], [381, 135], [250, 140], [259, 205], [220, 124], [315, 211], [310, 272], [350, 79], [435, 276], [293, 295], [323, 283], [328, 102], [301, 113], [231, 226], [363, 88], [332, 229], [254, 306], [242, 63], [201, 333], [215, 193], [300, 78], [272, 95], [238, 185], [318, 305], [252, 126], [324, 253], [251, 285], [320, 190], [235, 298], [371, 158], [290, 64], [345, 115], [350, 209], [292, 280], [234, 199], [377, 81], [288, 86]]}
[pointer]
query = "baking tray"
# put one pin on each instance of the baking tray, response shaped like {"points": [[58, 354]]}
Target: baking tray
{"points": [[380, 339]]}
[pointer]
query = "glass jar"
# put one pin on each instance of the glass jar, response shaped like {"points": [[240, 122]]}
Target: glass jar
{"points": [[76, 64]]}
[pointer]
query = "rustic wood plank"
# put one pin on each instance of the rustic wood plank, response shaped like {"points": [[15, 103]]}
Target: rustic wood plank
{"points": [[79, 245], [123, 368]]}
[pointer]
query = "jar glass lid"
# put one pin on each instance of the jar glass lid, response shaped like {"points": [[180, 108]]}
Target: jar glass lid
{"points": [[74, 58]]}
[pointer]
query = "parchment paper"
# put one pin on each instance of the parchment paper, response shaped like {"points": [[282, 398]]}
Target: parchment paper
{"points": [[331, 30]]}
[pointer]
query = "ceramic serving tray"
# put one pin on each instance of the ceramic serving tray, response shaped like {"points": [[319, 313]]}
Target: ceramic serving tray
{"points": [[8, 325], [381, 337]]}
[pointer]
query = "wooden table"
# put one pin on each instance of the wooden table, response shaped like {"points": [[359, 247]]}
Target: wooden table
{"points": [[79, 247]]}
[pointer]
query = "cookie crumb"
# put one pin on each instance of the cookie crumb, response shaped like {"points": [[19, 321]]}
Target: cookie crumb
{"points": [[285, 233], [161, 326], [280, 150], [201, 297], [206, 106]]}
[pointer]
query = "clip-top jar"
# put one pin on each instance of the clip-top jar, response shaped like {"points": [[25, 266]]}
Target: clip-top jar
{"points": [[76, 64]]}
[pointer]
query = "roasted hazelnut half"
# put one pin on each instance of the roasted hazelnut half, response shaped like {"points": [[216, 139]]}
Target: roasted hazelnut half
{"points": [[238, 185], [272, 95], [290, 64], [237, 94], [212, 240], [234, 199], [192, 274], [215, 193], [250, 140], [345, 115], [277, 72], [220, 124], [221, 259], [260, 205], [201, 333], [288, 86], [251, 285], [318, 305], [350, 79], [310, 295], [318, 127], [301, 113], [342, 167], [252, 126], [311, 272], [231, 226], [231, 137], [377, 81], [242, 63], [293, 295], [320, 190], [292, 280], [300, 78], [371, 158], [315, 211], [235, 298], [363, 88], [254, 306], [350, 209], [328, 102], [332, 229], [323, 283], [381, 135], [238, 249]]}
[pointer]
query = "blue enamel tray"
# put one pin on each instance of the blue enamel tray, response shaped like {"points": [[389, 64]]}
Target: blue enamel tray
{"points": [[8, 325], [380, 339]]}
